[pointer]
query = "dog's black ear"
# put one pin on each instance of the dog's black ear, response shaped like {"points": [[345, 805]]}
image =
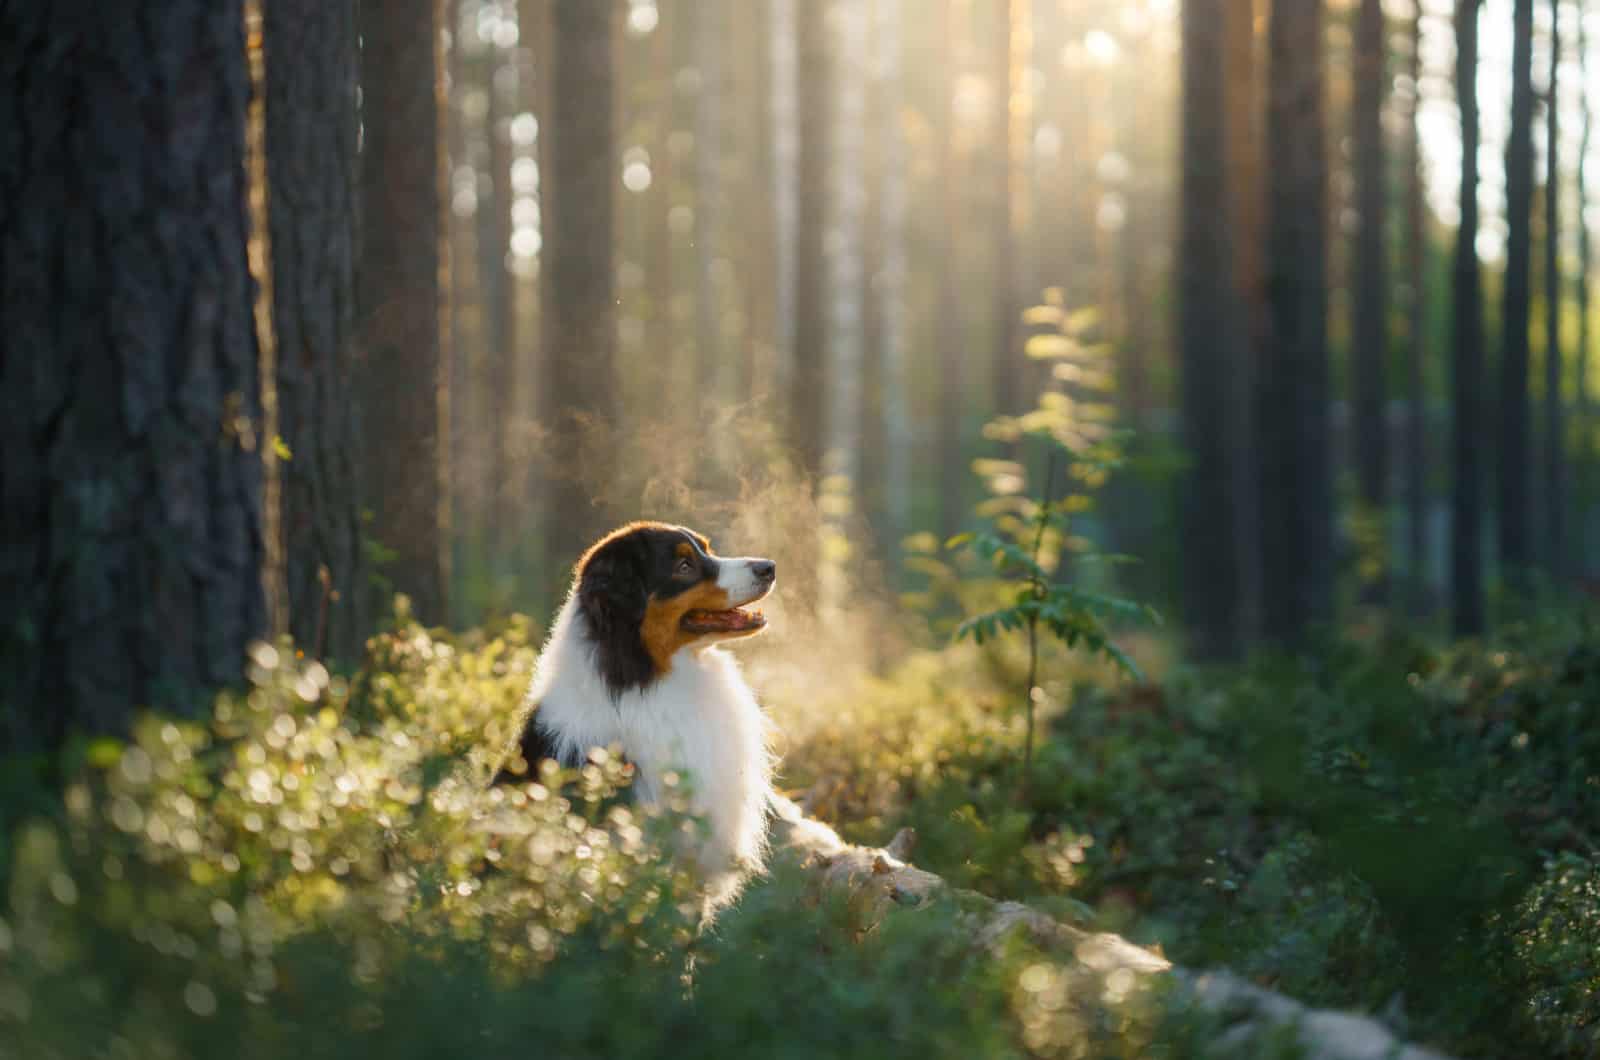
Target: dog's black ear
{"points": [[611, 591]]}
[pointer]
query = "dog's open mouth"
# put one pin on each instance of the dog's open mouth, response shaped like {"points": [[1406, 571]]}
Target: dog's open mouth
{"points": [[734, 620]]}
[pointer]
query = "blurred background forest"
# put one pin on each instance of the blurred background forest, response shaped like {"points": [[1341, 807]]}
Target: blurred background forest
{"points": [[332, 332]]}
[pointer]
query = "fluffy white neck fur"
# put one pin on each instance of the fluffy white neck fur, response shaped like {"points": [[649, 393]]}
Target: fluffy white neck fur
{"points": [[700, 720]]}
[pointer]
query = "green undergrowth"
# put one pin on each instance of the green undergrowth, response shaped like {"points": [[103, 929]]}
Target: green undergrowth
{"points": [[1380, 824], [317, 871]]}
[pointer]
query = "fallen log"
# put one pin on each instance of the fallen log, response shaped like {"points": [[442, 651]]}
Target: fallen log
{"points": [[882, 879]]}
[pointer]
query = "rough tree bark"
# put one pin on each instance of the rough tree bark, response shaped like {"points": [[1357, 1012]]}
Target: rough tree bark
{"points": [[1555, 506], [579, 334], [497, 291], [1209, 335], [1467, 425], [1368, 278], [1296, 498], [311, 141], [401, 383], [810, 356], [130, 431], [1514, 449]]}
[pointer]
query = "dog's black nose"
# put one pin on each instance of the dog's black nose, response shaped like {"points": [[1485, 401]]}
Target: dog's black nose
{"points": [[765, 569]]}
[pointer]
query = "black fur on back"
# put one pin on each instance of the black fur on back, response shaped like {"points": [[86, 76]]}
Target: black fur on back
{"points": [[534, 746], [616, 581]]}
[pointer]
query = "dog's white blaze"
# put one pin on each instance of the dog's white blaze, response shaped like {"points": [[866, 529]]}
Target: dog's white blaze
{"points": [[701, 721], [737, 578]]}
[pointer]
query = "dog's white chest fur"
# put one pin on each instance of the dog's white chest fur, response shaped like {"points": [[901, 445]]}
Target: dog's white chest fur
{"points": [[700, 721]]}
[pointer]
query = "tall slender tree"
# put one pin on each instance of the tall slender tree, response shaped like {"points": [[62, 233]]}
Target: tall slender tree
{"points": [[401, 379], [710, 22], [1416, 249], [809, 383], [311, 139], [1583, 411], [1467, 425], [1555, 472], [947, 337], [1368, 275], [1006, 361], [497, 293], [1209, 329], [1514, 449], [579, 334], [1297, 501], [130, 392], [874, 427]]}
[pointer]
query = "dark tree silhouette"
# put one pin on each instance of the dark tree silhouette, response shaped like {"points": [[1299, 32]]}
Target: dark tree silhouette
{"points": [[401, 383], [1555, 483], [1467, 425], [311, 141], [1416, 453], [1296, 491], [1369, 272], [809, 381], [130, 413], [579, 333], [1514, 449], [1209, 331]]}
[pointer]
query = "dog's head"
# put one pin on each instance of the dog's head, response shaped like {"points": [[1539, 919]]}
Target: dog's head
{"points": [[648, 590]]}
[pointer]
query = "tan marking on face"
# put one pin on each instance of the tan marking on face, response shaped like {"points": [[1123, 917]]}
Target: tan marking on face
{"points": [[662, 630], [685, 550]]}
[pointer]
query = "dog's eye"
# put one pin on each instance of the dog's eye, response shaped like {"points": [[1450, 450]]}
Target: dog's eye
{"points": [[685, 566]]}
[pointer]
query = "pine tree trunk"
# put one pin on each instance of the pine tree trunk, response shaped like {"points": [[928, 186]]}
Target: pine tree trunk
{"points": [[1209, 331], [311, 142], [1416, 456], [1585, 455], [130, 415], [579, 334], [710, 29], [949, 327], [1554, 432], [1297, 503], [810, 384], [1468, 426], [873, 428], [497, 291], [1006, 359], [1514, 450], [401, 383], [1368, 278]]}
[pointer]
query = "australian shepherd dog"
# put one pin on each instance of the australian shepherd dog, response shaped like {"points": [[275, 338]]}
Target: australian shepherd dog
{"points": [[635, 661]]}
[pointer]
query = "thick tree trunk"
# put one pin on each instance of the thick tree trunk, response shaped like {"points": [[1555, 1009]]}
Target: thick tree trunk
{"points": [[809, 385], [401, 381], [311, 142], [1297, 501], [1210, 332], [1416, 455], [130, 417], [757, 245], [1368, 277], [1555, 504], [1468, 426], [579, 335], [1514, 450]]}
